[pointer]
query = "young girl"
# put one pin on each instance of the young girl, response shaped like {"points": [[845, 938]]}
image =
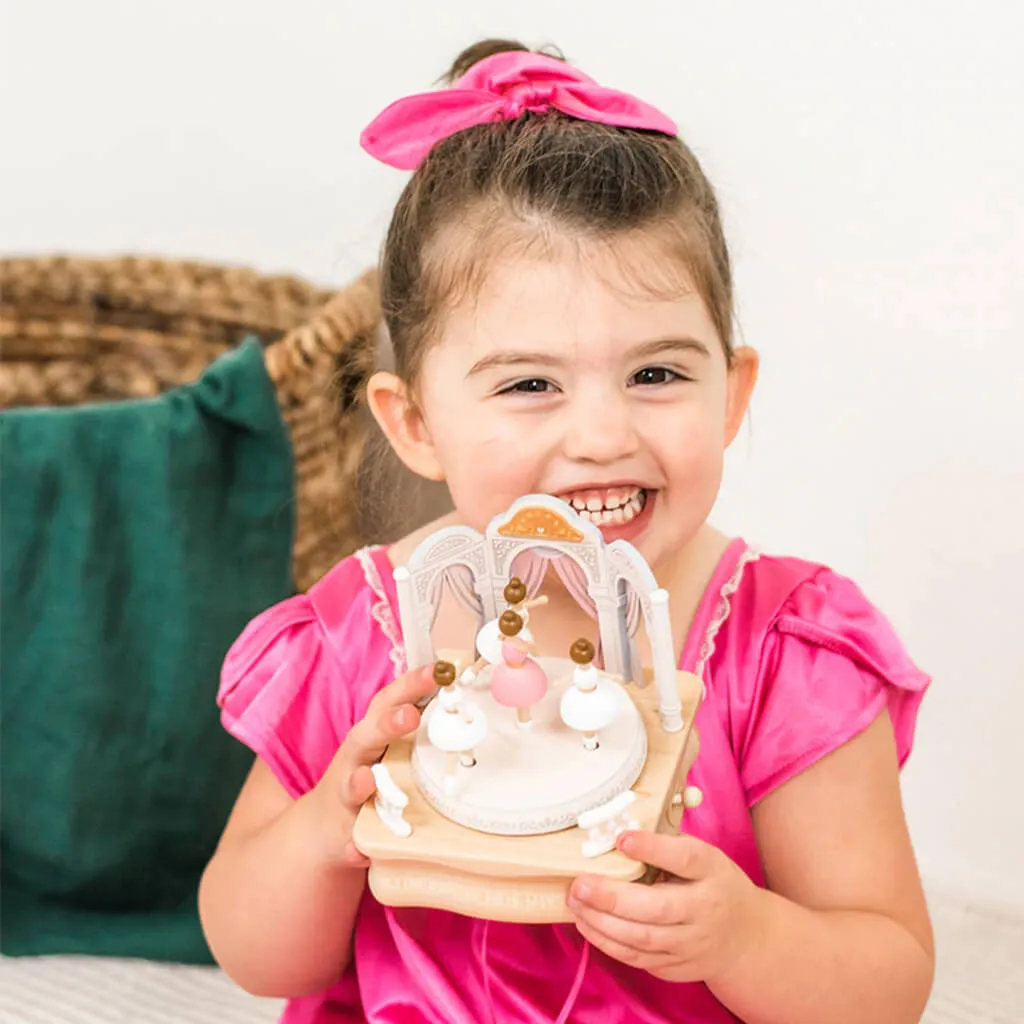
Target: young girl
{"points": [[557, 289]]}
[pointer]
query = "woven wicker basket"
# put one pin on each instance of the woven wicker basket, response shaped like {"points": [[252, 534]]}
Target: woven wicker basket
{"points": [[93, 330]]}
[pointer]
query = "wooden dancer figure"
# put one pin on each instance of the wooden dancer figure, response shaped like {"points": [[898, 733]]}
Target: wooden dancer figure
{"points": [[518, 681], [456, 725], [591, 703]]}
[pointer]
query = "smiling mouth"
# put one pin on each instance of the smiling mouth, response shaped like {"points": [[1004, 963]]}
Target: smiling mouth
{"points": [[612, 506]]}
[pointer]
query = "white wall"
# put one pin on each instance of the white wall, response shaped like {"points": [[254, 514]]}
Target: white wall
{"points": [[870, 159]]}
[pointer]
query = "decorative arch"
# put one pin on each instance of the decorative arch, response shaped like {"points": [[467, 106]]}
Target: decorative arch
{"points": [[420, 585], [540, 522]]}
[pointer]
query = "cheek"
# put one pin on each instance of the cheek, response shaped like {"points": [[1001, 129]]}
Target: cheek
{"points": [[691, 443], [488, 465]]}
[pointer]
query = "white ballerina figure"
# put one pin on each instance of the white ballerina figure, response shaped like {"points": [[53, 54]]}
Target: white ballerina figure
{"points": [[456, 726], [593, 701], [489, 639]]}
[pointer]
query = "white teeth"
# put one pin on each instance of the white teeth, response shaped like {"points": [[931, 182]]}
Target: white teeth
{"points": [[616, 507], [625, 509]]}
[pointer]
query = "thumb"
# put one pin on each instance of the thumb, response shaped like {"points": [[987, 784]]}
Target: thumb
{"points": [[680, 855]]}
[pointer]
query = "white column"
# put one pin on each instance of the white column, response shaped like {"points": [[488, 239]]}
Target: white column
{"points": [[609, 621], [660, 628], [415, 631]]}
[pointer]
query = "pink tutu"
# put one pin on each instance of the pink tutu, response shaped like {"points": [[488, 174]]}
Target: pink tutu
{"points": [[518, 681]]}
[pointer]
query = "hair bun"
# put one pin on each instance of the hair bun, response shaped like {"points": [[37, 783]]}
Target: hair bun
{"points": [[488, 48], [515, 591], [510, 623], [444, 673], [582, 651]]}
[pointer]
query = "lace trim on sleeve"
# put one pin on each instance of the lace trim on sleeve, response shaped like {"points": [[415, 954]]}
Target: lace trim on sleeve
{"points": [[723, 608], [381, 609]]}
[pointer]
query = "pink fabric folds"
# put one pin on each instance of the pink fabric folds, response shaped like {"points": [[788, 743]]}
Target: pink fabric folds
{"points": [[501, 88]]}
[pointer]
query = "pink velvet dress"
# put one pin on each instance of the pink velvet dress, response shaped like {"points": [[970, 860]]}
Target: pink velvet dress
{"points": [[517, 681], [796, 662]]}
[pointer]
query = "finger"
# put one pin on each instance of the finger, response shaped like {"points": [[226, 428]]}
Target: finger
{"points": [[352, 858], [657, 904], [369, 738], [406, 689], [639, 935], [390, 715], [680, 855], [357, 787], [628, 955]]}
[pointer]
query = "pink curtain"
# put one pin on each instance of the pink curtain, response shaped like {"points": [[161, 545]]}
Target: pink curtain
{"points": [[530, 566], [459, 580], [575, 581]]}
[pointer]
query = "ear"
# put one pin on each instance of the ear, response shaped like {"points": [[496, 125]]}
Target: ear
{"points": [[742, 378], [398, 416]]}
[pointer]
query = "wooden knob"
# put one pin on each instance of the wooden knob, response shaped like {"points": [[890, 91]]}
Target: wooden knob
{"points": [[692, 797]]}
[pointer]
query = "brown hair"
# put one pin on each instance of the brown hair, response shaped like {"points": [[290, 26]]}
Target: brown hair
{"points": [[515, 590], [510, 623], [593, 180]]}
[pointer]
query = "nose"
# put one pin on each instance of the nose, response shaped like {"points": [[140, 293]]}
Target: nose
{"points": [[600, 429]]}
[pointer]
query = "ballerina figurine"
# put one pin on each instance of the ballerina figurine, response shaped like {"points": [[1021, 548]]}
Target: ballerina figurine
{"points": [[456, 726], [489, 638], [592, 703], [518, 681]]}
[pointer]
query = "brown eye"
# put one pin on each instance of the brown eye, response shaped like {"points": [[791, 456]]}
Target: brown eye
{"points": [[654, 375], [531, 386]]}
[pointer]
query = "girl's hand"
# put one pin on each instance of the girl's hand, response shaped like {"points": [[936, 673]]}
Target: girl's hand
{"points": [[348, 782], [693, 926]]}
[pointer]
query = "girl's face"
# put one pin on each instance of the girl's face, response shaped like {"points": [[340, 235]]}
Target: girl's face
{"points": [[561, 376]]}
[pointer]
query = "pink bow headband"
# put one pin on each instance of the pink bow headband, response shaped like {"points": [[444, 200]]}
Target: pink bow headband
{"points": [[501, 88]]}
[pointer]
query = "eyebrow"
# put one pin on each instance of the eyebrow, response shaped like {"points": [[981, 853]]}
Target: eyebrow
{"points": [[645, 350]]}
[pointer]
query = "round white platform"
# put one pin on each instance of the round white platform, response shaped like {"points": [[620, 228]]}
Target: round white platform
{"points": [[534, 780]]}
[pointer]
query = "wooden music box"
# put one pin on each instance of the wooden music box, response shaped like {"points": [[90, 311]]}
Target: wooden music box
{"points": [[526, 768]]}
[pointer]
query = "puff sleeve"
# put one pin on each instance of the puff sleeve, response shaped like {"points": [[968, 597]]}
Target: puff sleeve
{"points": [[829, 665]]}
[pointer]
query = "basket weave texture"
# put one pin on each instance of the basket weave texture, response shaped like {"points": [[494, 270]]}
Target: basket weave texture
{"points": [[81, 330]]}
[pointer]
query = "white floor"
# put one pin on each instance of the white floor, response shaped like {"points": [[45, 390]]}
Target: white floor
{"points": [[980, 964], [980, 980]]}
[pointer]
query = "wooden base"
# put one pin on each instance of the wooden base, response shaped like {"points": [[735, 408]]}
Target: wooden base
{"points": [[520, 878]]}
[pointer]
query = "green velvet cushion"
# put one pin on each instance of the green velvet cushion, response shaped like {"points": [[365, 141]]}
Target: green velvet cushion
{"points": [[138, 539]]}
